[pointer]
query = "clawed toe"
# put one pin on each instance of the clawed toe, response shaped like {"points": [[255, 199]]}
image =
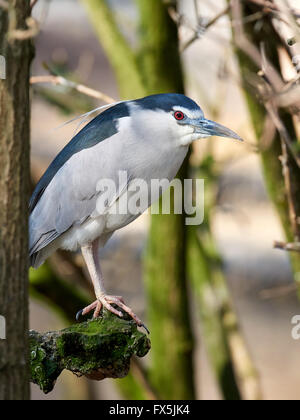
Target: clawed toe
{"points": [[145, 328], [97, 310], [106, 302], [79, 314]]}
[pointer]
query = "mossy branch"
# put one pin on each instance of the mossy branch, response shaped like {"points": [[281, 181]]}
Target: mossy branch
{"points": [[66, 301], [98, 349]]}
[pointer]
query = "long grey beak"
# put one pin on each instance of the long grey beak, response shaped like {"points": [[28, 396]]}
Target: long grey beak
{"points": [[211, 128]]}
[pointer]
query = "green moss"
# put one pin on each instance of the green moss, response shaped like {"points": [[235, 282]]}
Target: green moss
{"points": [[44, 365], [99, 348]]}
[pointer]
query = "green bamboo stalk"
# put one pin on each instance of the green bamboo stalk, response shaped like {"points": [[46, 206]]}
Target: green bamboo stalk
{"points": [[156, 68], [117, 49], [171, 370], [158, 54]]}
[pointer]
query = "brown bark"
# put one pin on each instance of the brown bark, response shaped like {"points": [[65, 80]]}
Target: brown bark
{"points": [[14, 187]]}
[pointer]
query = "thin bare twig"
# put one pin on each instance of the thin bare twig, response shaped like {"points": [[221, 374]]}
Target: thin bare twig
{"points": [[179, 19], [285, 95], [290, 17], [278, 292], [273, 83], [62, 81], [268, 134], [273, 112], [292, 246], [217, 17], [251, 51], [197, 11], [202, 28], [289, 190], [289, 95], [252, 18], [270, 6], [264, 3]]}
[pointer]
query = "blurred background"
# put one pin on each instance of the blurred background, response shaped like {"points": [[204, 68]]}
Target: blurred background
{"points": [[228, 334]]}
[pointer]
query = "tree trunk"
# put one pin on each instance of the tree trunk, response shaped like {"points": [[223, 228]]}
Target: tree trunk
{"points": [[14, 187], [171, 370]]}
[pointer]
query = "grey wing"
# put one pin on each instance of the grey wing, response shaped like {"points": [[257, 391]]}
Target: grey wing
{"points": [[71, 196]]}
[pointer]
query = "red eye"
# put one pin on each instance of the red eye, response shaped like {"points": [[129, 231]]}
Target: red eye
{"points": [[179, 115]]}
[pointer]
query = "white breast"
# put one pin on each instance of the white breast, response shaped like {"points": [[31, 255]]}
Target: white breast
{"points": [[153, 152]]}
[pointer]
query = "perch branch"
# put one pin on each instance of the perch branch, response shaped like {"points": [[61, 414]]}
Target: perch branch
{"points": [[45, 284], [98, 349]]}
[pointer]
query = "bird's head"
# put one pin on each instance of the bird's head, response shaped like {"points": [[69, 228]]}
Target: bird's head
{"points": [[182, 116]]}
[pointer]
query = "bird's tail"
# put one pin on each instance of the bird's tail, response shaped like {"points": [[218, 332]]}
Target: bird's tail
{"points": [[36, 259]]}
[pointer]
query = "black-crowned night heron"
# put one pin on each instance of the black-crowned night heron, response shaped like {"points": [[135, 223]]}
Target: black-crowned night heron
{"points": [[148, 139]]}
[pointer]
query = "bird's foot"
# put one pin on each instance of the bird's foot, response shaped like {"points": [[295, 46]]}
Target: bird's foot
{"points": [[106, 301]]}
